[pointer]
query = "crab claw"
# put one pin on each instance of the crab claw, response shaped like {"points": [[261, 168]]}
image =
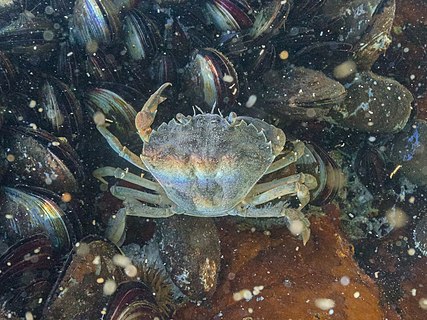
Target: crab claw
{"points": [[298, 224], [305, 235], [145, 118]]}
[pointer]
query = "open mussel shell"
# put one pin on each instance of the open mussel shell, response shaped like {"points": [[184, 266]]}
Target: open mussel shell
{"points": [[211, 80], [29, 35], [133, 300], [298, 93], [27, 275], [409, 151], [82, 291], [371, 168], [189, 248], [61, 109], [38, 158], [259, 60], [99, 282], [118, 111], [100, 66], [29, 211], [94, 23], [377, 37], [229, 15], [142, 37], [330, 178], [269, 20], [67, 64], [187, 31], [374, 104], [7, 74], [163, 68]]}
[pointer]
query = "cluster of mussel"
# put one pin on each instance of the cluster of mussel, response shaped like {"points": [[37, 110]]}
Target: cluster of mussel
{"points": [[65, 64]]}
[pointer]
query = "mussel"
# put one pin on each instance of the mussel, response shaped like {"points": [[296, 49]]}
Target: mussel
{"points": [[28, 271], [374, 104], [142, 38], [39, 158], [94, 23], [189, 248], [29, 211], [99, 282], [298, 93], [211, 79], [29, 34], [330, 178], [230, 15]]}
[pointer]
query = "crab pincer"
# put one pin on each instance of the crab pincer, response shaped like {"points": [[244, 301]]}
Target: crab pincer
{"points": [[145, 118]]}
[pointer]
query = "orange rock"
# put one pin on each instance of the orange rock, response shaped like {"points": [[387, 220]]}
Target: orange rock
{"points": [[286, 278]]}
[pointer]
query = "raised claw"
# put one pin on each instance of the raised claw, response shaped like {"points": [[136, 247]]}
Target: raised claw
{"points": [[145, 118]]}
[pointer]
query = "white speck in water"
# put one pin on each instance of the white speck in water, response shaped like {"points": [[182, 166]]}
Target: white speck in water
{"points": [[396, 217], [251, 101], [49, 10], [227, 78], [324, 303], [242, 294], [345, 69], [48, 35], [411, 251], [109, 287], [131, 271], [48, 180], [99, 118], [345, 281], [32, 104], [257, 290], [82, 249], [96, 260], [423, 303], [296, 227], [121, 260]]}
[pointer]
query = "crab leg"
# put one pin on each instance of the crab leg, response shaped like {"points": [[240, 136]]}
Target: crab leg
{"points": [[288, 158], [121, 174], [136, 208], [286, 188], [125, 193], [145, 118], [279, 211], [306, 179], [121, 150]]}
